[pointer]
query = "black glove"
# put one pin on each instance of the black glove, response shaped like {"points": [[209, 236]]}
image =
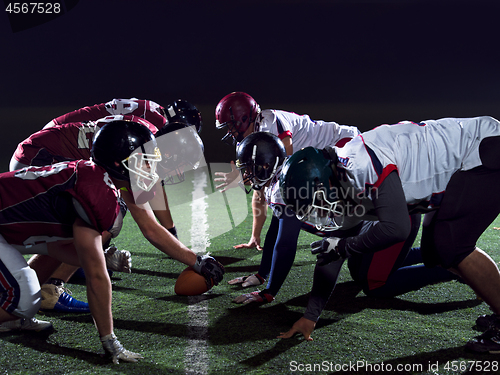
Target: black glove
{"points": [[326, 250], [211, 269]]}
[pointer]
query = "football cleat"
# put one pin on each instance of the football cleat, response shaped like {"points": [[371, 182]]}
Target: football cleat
{"points": [[56, 298], [118, 260], [489, 341], [484, 322], [31, 325], [250, 280]]}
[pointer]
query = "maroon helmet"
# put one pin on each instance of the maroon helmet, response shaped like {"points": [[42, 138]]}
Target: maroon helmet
{"points": [[236, 111]]}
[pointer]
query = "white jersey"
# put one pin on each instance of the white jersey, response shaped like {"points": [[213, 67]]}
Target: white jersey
{"points": [[425, 155], [304, 131]]}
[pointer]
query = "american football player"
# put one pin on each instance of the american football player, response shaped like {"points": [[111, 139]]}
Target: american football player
{"points": [[388, 273], [60, 141], [184, 112], [61, 210], [178, 111], [66, 142], [241, 115], [435, 167]]}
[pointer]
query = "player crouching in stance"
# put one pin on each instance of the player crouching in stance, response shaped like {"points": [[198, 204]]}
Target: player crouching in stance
{"points": [[436, 166], [393, 271], [61, 210]]}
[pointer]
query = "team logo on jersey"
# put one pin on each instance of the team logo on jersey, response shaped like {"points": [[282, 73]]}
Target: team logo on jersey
{"points": [[343, 161]]}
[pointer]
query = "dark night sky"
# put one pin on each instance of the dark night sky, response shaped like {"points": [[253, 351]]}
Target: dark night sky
{"points": [[355, 62]]}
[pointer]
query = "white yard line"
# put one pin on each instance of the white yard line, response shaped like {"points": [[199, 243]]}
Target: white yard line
{"points": [[196, 360]]}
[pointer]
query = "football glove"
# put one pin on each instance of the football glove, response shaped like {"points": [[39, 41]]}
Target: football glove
{"points": [[326, 250], [118, 260], [257, 296], [113, 347], [211, 269], [250, 280]]}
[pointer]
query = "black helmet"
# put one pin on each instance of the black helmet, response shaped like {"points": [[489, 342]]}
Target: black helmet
{"points": [[127, 150], [184, 112], [181, 149], [258, 157]]}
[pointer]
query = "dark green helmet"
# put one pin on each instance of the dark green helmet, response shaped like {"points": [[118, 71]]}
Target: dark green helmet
{"points": [[309, 186]]}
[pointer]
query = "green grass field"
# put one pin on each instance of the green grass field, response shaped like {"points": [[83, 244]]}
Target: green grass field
{"points": [[421, 332]]}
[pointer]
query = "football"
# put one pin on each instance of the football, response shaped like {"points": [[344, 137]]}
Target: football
{"points": [[190, 283]]}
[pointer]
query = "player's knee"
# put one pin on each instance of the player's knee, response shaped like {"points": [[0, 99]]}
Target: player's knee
{"points": [[489, 152], [30, 296]]}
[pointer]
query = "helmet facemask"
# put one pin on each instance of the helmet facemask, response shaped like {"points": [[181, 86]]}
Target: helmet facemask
{"points": [[255, 174], [142, 168], [325, 215], [235, 128], [182, 150]]}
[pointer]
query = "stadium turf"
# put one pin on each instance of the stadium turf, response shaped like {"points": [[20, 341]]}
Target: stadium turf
{"points": [[422, 332]]}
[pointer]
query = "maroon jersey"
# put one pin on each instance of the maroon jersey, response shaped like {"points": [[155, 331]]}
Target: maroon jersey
{"points": [[146, 109], [64, 142], [36, 203]]}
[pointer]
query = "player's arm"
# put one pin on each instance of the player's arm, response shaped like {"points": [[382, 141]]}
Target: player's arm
{"points": [[324, 281], [287, 141], [88, 245], [394, 222], [259, 213], [156, 234]]}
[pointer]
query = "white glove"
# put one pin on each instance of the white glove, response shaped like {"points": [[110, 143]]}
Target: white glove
{"points": [[245, 281], [118, 260], [257, 296], [112, 346]]}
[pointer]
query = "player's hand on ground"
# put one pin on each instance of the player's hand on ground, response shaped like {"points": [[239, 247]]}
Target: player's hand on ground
{"points": [[118, 260], [115, 349], [303, 326], [227, 179], [246, 281], [326, 250], [212, 270], [254, 242], [257, 296]]}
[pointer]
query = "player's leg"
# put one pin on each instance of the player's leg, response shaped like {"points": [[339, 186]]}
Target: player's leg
{"points": [[469, 206], [19, 292], [53, 275], [482, 274], [396, 270]]}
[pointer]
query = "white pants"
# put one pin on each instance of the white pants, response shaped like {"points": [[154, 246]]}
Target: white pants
{"points": [[20, 292]]}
